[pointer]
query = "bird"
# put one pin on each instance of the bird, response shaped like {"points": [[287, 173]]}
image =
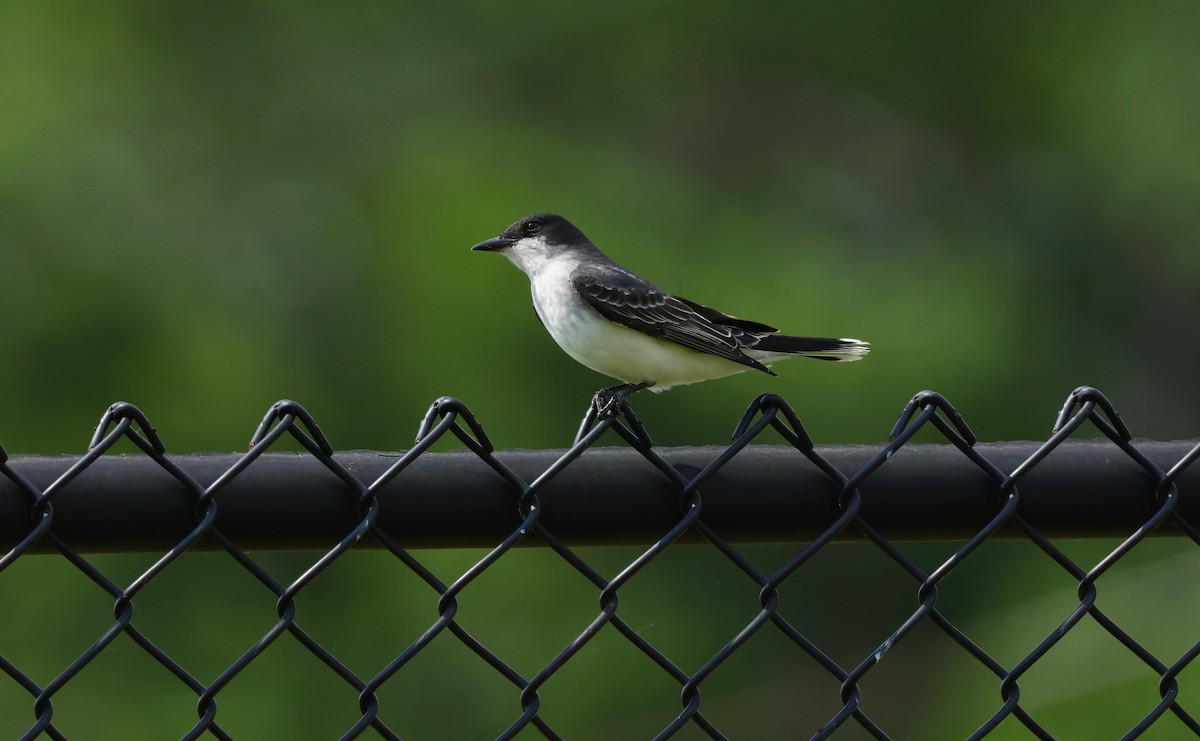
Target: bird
{"points": [[620, 324]]}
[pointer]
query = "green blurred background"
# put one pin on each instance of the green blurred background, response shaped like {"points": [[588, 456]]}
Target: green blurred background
{"points": [[205, 207]]}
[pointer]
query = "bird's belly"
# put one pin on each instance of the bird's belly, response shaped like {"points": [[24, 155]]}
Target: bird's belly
{"points": [[626, 354]]}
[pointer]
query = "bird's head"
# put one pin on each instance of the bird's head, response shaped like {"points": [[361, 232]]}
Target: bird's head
{"points": [[535, 240]]}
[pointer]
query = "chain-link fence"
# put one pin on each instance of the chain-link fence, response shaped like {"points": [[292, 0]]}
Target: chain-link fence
{"points": [[576, 505]]}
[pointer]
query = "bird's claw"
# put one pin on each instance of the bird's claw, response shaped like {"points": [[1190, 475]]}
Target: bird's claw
{"points": [[609, 403]]}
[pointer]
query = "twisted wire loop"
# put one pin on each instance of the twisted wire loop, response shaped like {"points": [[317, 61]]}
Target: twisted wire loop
{"points": [[768, 417], [117, 422], [1086, 404], [288, 417]]}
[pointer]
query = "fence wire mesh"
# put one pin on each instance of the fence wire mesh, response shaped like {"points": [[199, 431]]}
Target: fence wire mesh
{"points": [[31, 525]]}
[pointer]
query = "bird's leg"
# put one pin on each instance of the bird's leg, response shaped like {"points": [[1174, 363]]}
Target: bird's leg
{"points": [[609, 402]]}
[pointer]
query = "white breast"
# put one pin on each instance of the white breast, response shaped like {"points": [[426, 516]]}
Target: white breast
{"points": [[610, 348]]}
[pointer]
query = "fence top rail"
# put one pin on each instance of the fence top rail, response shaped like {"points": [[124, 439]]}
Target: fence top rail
{"points": [[608, 495]]}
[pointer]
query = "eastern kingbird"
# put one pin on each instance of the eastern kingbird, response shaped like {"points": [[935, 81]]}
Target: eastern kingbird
{"points": [[622, 325]]}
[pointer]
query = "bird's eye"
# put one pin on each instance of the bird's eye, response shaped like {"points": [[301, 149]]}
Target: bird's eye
{"points": [[532, 227]]}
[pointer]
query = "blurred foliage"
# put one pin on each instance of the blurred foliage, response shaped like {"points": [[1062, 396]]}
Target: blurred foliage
{"points": [[205, 207]]}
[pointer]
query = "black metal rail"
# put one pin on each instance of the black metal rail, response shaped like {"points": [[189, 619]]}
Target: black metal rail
{"points": [[767, 493]]}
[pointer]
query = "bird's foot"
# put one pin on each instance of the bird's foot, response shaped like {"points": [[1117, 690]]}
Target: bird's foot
{"points": [[608, 403]]}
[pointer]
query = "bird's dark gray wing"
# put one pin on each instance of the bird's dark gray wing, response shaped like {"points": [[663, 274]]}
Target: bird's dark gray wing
{"points": [[719, 317], [632, 301]]}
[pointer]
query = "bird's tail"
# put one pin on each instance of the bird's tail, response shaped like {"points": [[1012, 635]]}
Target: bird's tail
{"points": [[820, 348]]}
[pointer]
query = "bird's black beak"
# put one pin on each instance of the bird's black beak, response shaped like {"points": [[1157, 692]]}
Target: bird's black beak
{"points": [[493, 244]]}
